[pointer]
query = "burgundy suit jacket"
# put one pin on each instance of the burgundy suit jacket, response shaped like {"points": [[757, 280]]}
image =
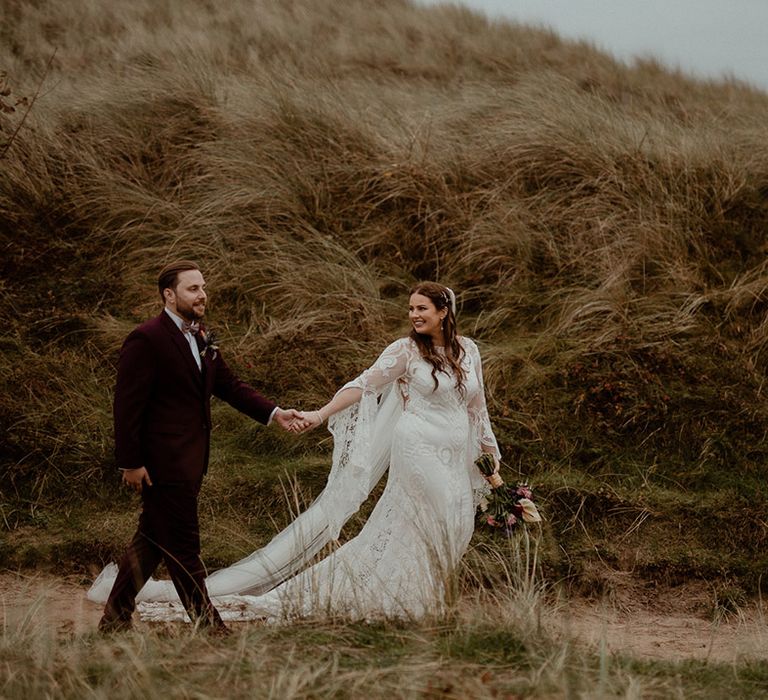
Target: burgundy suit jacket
{"points": [[162, 406]]}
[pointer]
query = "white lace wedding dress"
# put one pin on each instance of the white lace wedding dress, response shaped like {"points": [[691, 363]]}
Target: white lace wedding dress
{"points": [[413, 540]]}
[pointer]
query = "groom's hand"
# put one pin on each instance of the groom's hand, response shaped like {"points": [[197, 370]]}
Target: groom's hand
{"points": [[135, 478], [289, 419]]}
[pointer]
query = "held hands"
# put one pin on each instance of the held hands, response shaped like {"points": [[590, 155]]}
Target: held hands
{"points": [[287, 418], [135, 478], [308, 420], [297, 421], [312, 419]]}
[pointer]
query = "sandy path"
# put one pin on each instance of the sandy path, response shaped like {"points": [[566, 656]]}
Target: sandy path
{"points": [[33, 600], [649, 635], [638, 630]]}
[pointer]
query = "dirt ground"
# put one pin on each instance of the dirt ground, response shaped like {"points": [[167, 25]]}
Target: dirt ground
{"points": [[671, 624], [647, 634]]}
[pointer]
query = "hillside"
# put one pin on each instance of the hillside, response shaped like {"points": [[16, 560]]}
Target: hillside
{"points": [[604, 226]]}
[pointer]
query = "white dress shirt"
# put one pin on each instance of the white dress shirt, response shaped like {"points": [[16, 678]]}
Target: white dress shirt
{"points": [[188, 335]]}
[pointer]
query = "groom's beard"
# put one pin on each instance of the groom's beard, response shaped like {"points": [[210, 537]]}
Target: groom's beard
{"points": [[190, 312]]}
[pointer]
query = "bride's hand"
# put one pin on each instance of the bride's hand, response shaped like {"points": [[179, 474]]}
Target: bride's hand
{"points": [[495, 479], [311, 420], [306, 420]]}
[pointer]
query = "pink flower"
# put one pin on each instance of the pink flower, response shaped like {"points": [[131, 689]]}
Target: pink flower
{"points": [[524, 492]]}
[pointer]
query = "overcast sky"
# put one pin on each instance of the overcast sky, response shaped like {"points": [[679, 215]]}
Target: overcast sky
{"points": [[708, 38]]}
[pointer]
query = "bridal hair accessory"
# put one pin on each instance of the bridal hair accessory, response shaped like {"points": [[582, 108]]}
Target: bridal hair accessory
{"points": [[450, 298], [505, 506]]}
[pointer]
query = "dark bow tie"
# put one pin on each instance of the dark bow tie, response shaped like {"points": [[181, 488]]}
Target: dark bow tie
{"points": [[192, 328]]}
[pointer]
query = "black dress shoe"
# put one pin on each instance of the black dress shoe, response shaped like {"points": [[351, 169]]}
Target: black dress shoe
{"points": [[220, 630], [114, 626]]}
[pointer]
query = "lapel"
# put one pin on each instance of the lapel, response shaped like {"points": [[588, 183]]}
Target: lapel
{"points": [[181, 345], [206, 362]]}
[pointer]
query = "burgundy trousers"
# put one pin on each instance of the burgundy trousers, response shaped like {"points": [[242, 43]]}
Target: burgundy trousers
{"points": [[168, 531]]}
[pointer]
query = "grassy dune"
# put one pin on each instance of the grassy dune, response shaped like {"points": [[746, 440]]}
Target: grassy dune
{"points": [[604, 226]]}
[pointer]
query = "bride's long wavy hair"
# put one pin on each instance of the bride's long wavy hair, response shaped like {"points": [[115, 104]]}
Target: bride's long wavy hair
{"points": [[450, 360]]}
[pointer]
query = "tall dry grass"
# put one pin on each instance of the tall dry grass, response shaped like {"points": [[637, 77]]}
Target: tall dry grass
{"points": [[603, 224], [503, 641]]}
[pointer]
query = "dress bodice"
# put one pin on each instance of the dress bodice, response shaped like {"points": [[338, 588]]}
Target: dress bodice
{"points": [[422, 397], [402, 363]]}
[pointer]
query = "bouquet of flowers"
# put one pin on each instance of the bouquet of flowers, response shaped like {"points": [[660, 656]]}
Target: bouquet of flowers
{"points": [[506, 505]]}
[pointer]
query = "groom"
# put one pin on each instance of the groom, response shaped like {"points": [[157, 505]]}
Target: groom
{"points": [[167, 371]]}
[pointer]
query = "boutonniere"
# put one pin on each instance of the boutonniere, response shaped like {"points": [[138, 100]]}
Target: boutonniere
{"points": [[210, 343]]}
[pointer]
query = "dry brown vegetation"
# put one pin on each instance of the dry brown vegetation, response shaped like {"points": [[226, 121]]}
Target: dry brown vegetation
{"points": [[604, 226]]}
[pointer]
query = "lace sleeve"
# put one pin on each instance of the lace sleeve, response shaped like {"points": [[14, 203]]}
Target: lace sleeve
{"points": [[478, 411], [390, 366], [482, 438], [359, 435]]}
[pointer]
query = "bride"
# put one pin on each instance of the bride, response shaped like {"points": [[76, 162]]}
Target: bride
{"points": [[420, 411]]}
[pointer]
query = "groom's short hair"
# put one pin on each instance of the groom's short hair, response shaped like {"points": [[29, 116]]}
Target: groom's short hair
{"points": [[169, 275]]}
